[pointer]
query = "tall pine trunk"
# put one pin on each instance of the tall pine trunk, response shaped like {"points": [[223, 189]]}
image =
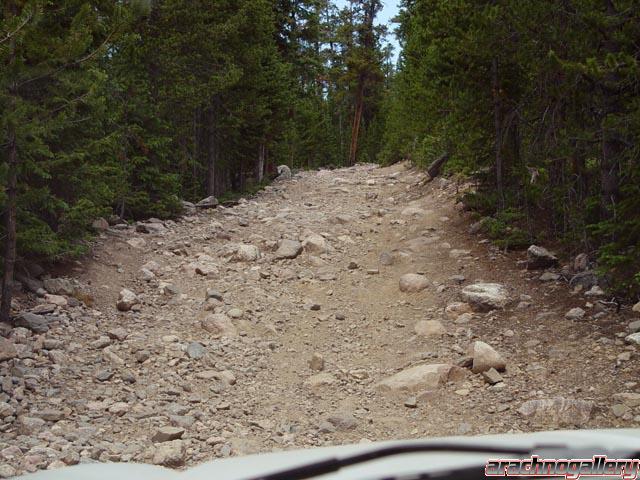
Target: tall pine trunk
{"points": [[498, 126], [357, 118], [9, 256]]}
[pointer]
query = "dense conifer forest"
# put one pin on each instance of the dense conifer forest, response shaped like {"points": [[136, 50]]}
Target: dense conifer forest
{"points": [[124, 109]]}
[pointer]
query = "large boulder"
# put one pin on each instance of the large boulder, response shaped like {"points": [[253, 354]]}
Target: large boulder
{"points": [[100, 224], [35, 323], [558, 411], [486, 296], [284, 172], [126, 300], [58, 286], [420, 377], [485, 358], [209, 202], [539, 257], [413, 282], [288, 249]]}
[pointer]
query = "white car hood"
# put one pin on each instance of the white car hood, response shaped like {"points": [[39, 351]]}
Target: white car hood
{"points": [[242, 468]]}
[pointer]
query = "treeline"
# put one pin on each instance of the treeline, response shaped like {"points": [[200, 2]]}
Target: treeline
{"points": [[125, 108], [539, 101]]}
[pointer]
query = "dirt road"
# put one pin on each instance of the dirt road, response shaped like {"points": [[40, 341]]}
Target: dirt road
{"points": [[227, 348]]}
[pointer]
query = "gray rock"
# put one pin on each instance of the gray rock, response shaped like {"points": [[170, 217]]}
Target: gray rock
{"points": [[539, 257], [343, 421], [585, 279], [30, 425], [412, 283], [633, 339], [58, 286], [188, 208], [486, 296], [246, 253], [7, 350], [6, 410], [288, 249], [634, 326], [284, 172], [387, 259], [558, 411], [485, 358], [420, 377], [126, 300], [170, 454], [549, 277], [100, 224], [195, 350], [119, 334], [219, 324], [575, 314], [167, 434], [315, 244], [430, 328], [35, 323], [213, 293], [317, 362], [620, 410], [104, 375], [581, 262], [209, 202], [492, 376]]}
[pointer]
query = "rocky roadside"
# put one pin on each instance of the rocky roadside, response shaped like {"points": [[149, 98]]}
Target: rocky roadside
{"points": [[336, 306]]}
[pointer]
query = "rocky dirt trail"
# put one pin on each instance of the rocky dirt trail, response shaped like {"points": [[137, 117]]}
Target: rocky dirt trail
{"points": [[339, 306]]}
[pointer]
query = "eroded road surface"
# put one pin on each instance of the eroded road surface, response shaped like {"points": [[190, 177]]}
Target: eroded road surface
{"points": [[288, 321]]}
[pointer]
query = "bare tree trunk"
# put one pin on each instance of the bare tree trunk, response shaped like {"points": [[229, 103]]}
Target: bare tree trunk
{"points": [[260, 165], [497, 118], [12, 194], [612, 145], [212, 152], [357, 117]]}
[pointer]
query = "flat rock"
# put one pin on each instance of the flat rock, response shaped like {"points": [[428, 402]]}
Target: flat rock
{"points": [[420, 377], [630, 399], [429, 328], [558, 411], [219, 324], [320, 380], [35, 323], [167, 434], [195, 350], [486, 296], [342, 421], [413, 282], [209, 202], [288, 249]]}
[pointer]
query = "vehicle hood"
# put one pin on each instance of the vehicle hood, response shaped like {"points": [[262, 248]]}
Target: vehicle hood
{"points": [[241, 468]]}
